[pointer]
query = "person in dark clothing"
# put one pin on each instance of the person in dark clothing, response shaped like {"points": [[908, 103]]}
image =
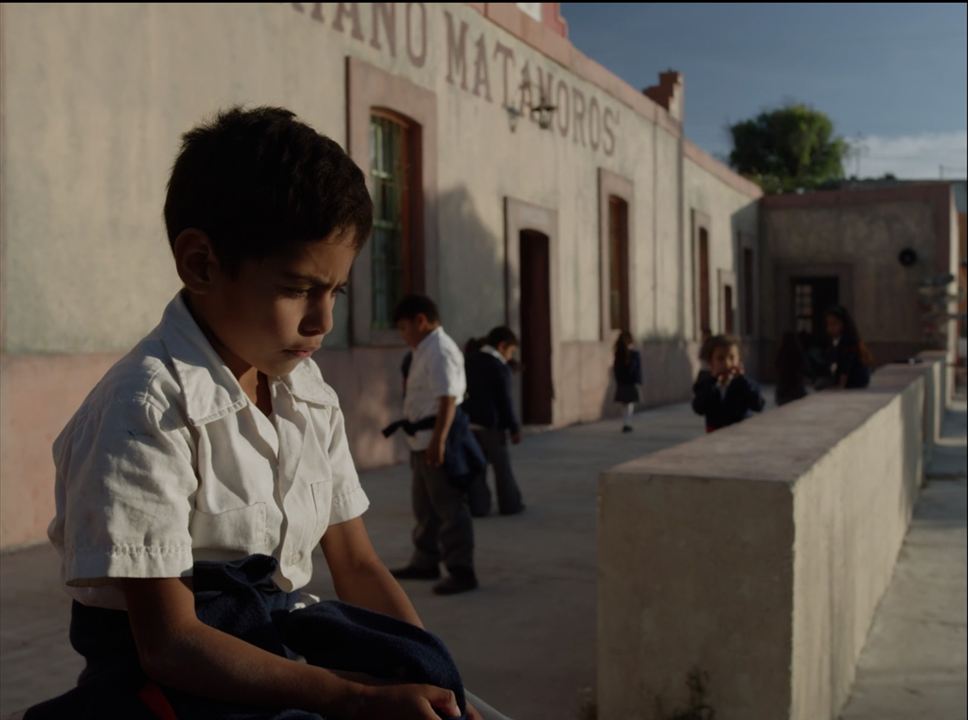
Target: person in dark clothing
{"points": [[849, 362], [628, 376], [490, 407], [723, 393], [791, 370]]}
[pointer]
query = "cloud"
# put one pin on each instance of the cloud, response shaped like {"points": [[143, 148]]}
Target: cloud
{"points": [[912, 157]]}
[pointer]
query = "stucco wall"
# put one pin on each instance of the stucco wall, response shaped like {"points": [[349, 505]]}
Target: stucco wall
{"points": [[756, 555], [95, 98], [858, 236], [731, 210]]}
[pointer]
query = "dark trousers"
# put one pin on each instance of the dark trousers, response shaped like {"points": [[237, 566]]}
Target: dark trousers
{"points": [[494, 443], [444, 529]]}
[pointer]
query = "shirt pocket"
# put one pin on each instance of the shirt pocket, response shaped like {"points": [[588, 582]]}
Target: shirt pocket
{"points": [[323, 502], [242, 529]]}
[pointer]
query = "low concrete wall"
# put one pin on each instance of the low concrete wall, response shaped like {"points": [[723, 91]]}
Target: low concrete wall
{"points": [[750, 561]]}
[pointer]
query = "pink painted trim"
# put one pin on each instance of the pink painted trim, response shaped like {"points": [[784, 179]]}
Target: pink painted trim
{"points": [[40, 394], [551, 16], [713, 166]]}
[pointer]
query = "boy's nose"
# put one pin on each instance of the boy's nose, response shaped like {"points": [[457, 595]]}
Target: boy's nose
{"points": [[319, 321]]}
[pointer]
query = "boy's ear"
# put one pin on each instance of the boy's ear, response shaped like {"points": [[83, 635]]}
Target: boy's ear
{"points": [[195, 260]]}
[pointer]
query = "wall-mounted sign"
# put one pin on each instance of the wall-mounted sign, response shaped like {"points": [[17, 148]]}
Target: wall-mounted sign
{"points": [[478, 64]]}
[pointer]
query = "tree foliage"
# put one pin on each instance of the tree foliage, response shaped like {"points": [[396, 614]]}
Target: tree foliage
{"points": [[788, 148]]}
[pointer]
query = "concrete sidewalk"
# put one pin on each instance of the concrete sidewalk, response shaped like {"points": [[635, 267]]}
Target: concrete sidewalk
{"points": [[525, 642], [914, 661]]}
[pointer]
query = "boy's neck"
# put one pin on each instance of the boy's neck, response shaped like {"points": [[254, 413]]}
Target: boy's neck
{"points": [[424, 334], [246, 374]]}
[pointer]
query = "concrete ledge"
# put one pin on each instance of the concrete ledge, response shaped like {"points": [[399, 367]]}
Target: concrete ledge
{"points": [[754, 557]]}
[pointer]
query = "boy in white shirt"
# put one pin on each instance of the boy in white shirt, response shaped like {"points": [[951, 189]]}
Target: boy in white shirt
{"points": [[435, 387], [216, 439]]}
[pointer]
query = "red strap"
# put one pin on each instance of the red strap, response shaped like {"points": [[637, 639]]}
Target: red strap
{"points": [[156, 702]]}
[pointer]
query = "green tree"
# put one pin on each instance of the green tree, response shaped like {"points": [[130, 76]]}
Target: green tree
{"points": [[788, 148]]}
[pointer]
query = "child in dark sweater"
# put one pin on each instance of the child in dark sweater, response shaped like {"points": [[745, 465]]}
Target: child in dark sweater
{"points": [[723, 393]]}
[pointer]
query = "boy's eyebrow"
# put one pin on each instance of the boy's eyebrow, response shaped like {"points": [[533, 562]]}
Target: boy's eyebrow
{"points": [[312, 280]]}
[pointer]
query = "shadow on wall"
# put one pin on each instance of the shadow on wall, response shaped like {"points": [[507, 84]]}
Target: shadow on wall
{"points": [[470, 295]]}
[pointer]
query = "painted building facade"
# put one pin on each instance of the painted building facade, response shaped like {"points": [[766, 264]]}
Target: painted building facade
{"points": [[517, 181]]}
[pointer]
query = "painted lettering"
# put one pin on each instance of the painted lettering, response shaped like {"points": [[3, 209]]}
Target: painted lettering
{"points": [[507, 56], [594, 123], [456, 51], [609, 143], [525, 100], [481, 73], [544, 88], [352, 11], [562, 100], [384, 14], [578, 100], [417, 58], [317, 13]]}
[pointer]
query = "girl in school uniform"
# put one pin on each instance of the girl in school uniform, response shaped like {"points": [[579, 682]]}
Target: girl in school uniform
{"points": [[628, 376], [849, 362]]}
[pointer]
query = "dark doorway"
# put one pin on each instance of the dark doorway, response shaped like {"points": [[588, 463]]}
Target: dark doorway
{"points": [[618, 263], [728, 318], [536, 385], [811, 298], [705, 322]]}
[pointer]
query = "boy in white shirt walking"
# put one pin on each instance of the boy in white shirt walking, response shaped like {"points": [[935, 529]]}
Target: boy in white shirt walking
{"points": [[435, 387]]}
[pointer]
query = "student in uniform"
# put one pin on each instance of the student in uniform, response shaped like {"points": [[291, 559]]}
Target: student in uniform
{"points": [[627, 367], [848, 361], [435, 386], [490, 407], [200, 473], [723, 393]]}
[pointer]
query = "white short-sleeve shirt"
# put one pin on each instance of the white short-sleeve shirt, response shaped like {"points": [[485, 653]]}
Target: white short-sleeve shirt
{"points": [[436, 370], [167, 462]]}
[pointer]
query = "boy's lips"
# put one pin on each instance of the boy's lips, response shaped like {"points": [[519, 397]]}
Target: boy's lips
{"points": [[302, 351]]}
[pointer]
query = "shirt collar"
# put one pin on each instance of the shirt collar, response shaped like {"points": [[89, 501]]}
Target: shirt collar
{"points": [[425, 342], [210, 389], [494, 353]]}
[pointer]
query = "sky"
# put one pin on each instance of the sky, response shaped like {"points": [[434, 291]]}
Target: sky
{"points": [[891, 77]]}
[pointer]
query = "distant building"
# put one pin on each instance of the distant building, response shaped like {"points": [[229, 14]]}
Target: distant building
{"points": [[888, 252]]}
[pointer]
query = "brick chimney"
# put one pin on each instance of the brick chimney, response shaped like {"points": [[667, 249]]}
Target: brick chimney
{"points": [[669, 93]]}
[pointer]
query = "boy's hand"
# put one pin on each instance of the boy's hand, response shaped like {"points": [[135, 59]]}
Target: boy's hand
{"points": [[435, 451], [472, 713], [403, 702]]}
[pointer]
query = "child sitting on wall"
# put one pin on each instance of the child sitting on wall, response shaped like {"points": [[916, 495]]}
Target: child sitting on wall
{"points": [[197, 478], [723, 393]]}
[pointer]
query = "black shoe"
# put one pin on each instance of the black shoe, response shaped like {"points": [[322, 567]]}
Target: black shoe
{"points": [[626, 428], [456, 582], [411, 572], [518, 511], [479, 513]]}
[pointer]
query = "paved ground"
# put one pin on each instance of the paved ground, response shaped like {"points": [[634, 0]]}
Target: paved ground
{"points": [[914, 662], [526, 640]]}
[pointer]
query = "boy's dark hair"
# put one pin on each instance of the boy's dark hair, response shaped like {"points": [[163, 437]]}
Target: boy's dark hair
{"points": [[501, 334], [259, 181], [714, 342], [412, 305], [497, 335]]}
